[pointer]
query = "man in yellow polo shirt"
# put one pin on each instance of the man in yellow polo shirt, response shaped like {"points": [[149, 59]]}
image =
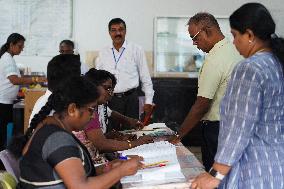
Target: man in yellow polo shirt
{"points": [[214, 75]]}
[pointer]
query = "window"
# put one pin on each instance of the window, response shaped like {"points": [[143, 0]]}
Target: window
{"points": [[174, 53]]}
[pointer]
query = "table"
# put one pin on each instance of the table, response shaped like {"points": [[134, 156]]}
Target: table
{"points": [[190, 167], [18, 118], [23, 109]]}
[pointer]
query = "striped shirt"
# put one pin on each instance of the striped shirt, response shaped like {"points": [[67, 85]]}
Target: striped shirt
{"points": [[251, 138]]}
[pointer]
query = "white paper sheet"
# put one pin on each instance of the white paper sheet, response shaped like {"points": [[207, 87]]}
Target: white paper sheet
{"points": [[163, 155]]}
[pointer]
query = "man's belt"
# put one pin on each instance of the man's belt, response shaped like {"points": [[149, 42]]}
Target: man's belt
{"points": [[129, 92], [207, 122]]}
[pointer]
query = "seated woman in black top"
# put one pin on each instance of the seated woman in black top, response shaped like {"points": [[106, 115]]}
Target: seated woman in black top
{"points": [[52, 158]]}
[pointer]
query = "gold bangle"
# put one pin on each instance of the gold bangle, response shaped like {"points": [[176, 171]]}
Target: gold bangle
{"points": [[129, 143]]}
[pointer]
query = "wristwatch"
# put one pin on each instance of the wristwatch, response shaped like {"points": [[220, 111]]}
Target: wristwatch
{"points": [[216, 174]]}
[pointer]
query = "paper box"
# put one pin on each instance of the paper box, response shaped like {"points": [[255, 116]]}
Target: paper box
{"points": [[31, 96]]}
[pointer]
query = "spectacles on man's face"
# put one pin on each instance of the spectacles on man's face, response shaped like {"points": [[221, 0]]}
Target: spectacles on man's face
{"points": [[120, 30], [62, 51], [195, 37], [92, 110]]}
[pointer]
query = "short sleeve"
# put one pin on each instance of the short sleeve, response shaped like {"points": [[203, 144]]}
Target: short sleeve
{"points": [[60, 146], [209, 80], [10, 67]]}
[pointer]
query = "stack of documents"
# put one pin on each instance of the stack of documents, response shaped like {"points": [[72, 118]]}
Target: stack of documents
{"points": [[154, 130], [160, 160]]}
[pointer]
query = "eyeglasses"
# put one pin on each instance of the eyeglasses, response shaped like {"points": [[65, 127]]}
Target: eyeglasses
{"points": [[120, 30], [61, 51], [92, 110], [194, 38], [108, 88]]}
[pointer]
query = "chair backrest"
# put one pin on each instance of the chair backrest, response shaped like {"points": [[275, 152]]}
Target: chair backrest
{"points": [[7, 180], [10, 163]]}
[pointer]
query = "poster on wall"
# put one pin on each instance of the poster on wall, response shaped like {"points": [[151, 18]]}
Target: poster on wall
{"points": [[44, 23]]}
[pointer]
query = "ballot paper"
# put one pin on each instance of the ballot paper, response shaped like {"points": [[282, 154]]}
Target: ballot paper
{"points": [[154, 130], [160, 160], [155, 126]]}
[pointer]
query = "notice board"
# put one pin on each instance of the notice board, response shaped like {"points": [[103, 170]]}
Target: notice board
{"points": [[44, 23]]}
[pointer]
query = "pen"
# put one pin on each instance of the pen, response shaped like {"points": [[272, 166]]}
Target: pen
{"points": [[155, 164], [122, 157], [159, 128], [160, 165]]}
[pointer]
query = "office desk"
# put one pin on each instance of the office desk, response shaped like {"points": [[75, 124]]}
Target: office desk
{"points": [[190, 167]]}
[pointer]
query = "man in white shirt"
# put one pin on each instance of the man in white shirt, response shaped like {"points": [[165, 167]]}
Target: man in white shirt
{"points": [[127, 62]]}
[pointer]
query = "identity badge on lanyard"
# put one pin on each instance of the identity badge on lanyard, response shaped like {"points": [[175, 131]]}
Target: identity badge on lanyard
{"points": [[117, 60]]}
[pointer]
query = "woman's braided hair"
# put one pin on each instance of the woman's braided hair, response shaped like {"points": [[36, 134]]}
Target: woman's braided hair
{"points": [[80, 91]]}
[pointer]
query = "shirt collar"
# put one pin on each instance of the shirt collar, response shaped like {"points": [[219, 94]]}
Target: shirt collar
{"points": [[219, 44], [123, 45]]}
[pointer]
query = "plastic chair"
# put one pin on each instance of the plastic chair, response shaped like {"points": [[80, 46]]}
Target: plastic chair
{"points": [[7, 180], [10, 127], [10, 163]]}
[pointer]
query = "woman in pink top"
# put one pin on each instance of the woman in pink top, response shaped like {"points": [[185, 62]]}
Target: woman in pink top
{"points": [[81, 135], [106, 82]]}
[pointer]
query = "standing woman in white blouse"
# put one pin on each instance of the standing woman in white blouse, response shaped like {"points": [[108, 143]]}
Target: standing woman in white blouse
{"points": [[10, 79]]}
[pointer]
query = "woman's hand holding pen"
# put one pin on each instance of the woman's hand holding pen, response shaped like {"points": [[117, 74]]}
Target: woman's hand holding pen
{"points": [[131, 166], [115, 163]]}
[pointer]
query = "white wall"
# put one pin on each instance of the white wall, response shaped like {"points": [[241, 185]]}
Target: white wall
{"points": [[91, 18]]}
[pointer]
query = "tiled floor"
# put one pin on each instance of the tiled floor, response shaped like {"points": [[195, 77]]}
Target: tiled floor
{"points": [[196, 150]]}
